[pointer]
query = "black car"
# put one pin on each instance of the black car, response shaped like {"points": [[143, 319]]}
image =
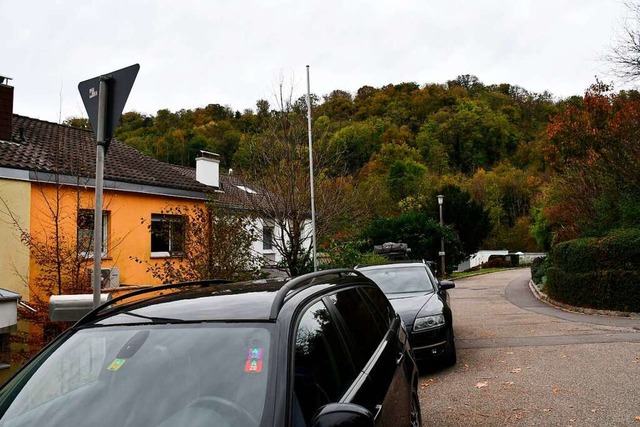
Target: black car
{"points": [[324, 349], [423, 303]]}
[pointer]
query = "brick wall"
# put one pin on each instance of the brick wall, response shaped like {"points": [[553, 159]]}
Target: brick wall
{"points": [[6, 111]]}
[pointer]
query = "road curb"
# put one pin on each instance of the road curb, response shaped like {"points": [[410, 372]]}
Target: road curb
{"points": [[545, 298]]}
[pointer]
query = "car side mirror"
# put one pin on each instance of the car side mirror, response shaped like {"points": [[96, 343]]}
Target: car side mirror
{"points": [[447, 284], [343, 415]]}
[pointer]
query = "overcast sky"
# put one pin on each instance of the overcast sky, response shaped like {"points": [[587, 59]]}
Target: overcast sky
{"points": [[234, 52]]}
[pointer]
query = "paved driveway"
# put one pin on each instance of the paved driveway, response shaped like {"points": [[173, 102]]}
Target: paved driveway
{"points": [[522, 362]]}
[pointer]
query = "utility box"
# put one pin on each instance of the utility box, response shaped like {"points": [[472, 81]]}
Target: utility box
{"points": [[109, 277], [8, 311], [71, 308], [8, 322]]}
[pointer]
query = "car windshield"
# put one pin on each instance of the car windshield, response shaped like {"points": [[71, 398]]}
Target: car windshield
{"points": [[394, 280], [157, 376]]}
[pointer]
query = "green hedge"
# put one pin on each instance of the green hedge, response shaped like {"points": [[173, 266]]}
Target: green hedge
{"points": [[601, 273], [620, 250], [539, 269], [617, 290]]}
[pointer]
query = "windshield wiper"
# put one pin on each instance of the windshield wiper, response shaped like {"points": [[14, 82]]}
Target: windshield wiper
{"points": [[154, 319]]}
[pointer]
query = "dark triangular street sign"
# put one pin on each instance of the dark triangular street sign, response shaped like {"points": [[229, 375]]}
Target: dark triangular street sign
{"points": [[119, 86]]}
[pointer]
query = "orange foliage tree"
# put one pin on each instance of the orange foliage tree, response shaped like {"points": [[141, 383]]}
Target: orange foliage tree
{"points": [[594, 150]]}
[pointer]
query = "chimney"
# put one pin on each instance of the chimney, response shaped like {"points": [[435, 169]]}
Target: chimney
{"points": [[6, 108], [208, 169]]}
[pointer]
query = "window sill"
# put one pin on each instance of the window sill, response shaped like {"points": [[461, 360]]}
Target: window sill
{"points": [[86, 255], [156, 255]]}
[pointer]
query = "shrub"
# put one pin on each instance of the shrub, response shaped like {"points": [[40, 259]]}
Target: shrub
{"points": [[618, 250], [539, 269], [497, 263], [420, 232], [601, 289], [347, 254], [601, 273]]}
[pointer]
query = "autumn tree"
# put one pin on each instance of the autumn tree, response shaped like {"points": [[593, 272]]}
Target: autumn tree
{"points": [[472, 134], [467, 217], [338, 105], [357, 142], [624, 54], [467, 223], [276, 164], [77, 122], [433, 151], [439, 133], [405, 178], [594, 149], [60, 246], [420, 231], [61, 261], [508, 195], [394, 173], [468, 82], [215, 244]]}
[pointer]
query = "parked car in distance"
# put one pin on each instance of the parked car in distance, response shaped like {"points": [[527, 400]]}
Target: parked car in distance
{"points": [[324, 349], [423, 303]]}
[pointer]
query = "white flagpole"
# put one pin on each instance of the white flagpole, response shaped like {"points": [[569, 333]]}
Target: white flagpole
{"points": [[313, 207]]}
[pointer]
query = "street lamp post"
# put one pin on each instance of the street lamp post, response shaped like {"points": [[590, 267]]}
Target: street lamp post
{"points": [[440, 202]]}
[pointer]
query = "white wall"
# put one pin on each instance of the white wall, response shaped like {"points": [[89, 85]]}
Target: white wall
{"points": [[208, 171], [272, 256], [478, 258]]}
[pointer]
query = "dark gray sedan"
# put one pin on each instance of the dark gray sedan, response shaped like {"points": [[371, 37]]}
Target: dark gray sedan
{"points": [[423, 303]]}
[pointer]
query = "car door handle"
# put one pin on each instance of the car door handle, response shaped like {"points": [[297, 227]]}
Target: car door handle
{"points": [[399, 358]]}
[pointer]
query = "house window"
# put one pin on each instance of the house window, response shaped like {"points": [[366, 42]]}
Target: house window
{"points": [[85, 232], [267, 238], [167, 235]]}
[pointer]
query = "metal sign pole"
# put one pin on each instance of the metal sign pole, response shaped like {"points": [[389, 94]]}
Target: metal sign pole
{"points": [[104, 107], [97, 216]]}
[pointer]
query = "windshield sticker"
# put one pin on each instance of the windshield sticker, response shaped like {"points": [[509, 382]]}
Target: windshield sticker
{"points": [[116, 364], [254, 360], [254, 353]]}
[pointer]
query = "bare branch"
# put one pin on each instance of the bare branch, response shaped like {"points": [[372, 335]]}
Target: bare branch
{"points": [[624, 54]]}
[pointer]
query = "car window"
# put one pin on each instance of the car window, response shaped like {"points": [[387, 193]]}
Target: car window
{"points": [[382, 306], [359, 320], [80, 368], [322, 368], [368, 330], [153, 375], [434, 281], [393, 280]]}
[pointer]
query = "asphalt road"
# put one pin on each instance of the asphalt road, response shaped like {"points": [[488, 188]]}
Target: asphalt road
{"points": [[523, 362]]}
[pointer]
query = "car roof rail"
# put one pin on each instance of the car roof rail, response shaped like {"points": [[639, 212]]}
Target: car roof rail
{"points": [[93, 314], [303, 280]]}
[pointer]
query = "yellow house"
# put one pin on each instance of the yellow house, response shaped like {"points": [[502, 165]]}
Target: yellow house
{"points": [[47, 199]]}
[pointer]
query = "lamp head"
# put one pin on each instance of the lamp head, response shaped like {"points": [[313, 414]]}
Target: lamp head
{"points": [[440, 199]]}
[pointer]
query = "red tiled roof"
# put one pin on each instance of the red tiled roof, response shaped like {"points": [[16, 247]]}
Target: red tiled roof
{"points": [[230, 193], [47, 147]]}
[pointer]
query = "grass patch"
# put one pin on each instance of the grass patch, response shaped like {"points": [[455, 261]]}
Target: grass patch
{"points": [[460, 275]]}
